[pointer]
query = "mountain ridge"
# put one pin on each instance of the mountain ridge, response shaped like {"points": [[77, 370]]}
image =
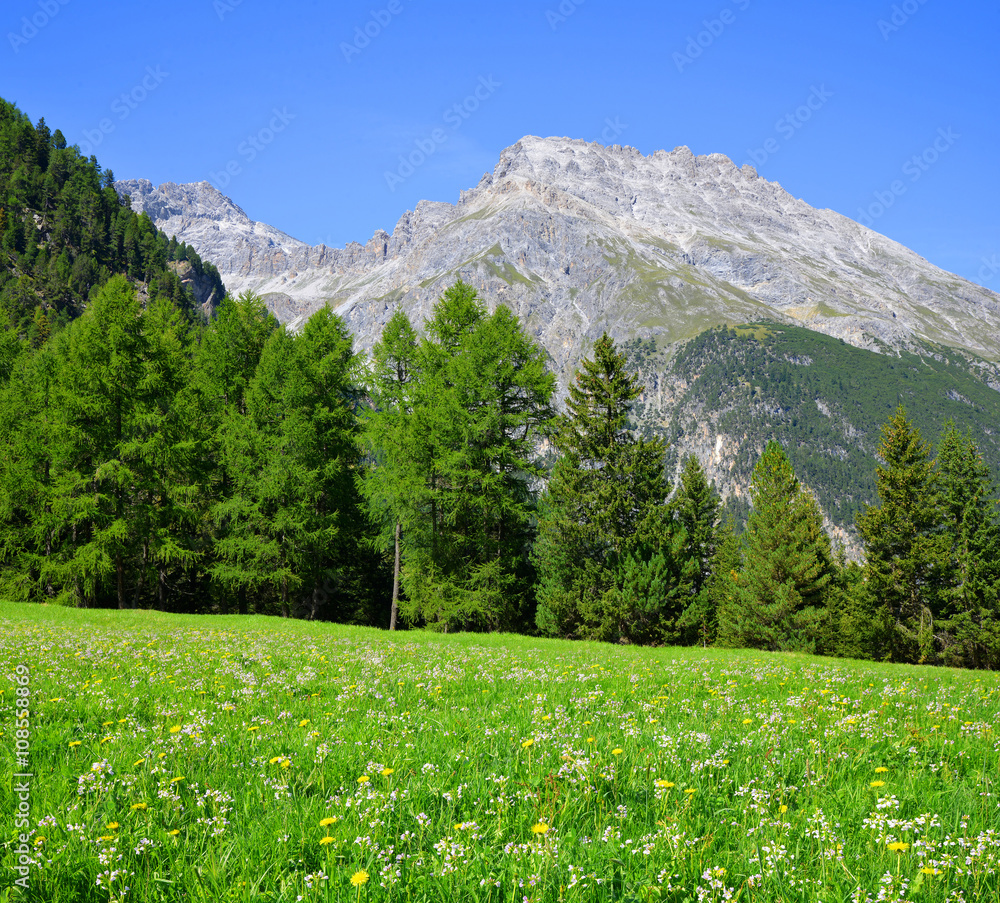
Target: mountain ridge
{"points": [[578, 238]]}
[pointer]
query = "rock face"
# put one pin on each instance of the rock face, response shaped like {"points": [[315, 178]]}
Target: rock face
{"points": [[578, 238]]}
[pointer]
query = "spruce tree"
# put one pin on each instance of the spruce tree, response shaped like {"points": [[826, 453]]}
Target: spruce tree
{"points": [[606, 545], [906, 548], [696, 506], [779, 600], [971, 594]]}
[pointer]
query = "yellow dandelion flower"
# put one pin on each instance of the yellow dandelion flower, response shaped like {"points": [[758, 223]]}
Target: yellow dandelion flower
{"points": [[75, 743], [106, 723], [176, 729], [540, 828], [175, 780], [877, 784], [899, 847], [691, 790], [325, 822], [526, 743], [112, 826], [747, 720], [617, 751], [136, 806], [782, 808], [137, 763], [253, 728], [364, 779], [106, 837], [387, 771], [173, 833], [303, 722], [275, 760], [664, 784], [286, 763], [928, 870], [881, 769], [325, 840], [591, 739], [359, 878], [39, 840]]}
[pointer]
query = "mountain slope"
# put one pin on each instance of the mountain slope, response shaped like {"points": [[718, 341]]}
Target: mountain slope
{"points": [[577, 238]]}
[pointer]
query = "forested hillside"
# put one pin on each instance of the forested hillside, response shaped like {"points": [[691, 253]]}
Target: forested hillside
{"points": [[823, 399], [64, 232]]}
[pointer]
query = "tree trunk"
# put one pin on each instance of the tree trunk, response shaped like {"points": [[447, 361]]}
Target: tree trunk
{"points": [[395, 580], [120, 568]]}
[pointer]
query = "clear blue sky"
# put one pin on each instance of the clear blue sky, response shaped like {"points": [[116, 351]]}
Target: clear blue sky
{"points": [[332, 109]]}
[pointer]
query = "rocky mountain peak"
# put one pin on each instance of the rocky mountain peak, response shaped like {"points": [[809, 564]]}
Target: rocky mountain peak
{"points": [[578, 238]]}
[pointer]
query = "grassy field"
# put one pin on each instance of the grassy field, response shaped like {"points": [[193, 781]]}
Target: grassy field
{"points": [[245, 759]]}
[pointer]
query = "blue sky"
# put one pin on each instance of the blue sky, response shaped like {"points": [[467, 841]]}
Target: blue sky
{"points": [[886, 110]]}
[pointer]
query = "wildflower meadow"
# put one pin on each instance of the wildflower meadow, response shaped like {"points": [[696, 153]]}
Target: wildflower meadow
{"points": [[153, 757]]}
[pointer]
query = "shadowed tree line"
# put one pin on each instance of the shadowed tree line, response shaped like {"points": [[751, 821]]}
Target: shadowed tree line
{"points": [[151, 460]]}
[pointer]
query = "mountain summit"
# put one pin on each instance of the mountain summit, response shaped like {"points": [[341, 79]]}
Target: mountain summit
{"points": [[578, 238]]}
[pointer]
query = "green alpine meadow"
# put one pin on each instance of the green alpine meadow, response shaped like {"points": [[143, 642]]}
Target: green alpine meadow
{"points": [[211, 758], [396, 602]]}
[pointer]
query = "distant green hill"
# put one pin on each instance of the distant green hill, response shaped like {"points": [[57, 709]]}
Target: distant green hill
{"points": [[64, 232], [823, 399]]}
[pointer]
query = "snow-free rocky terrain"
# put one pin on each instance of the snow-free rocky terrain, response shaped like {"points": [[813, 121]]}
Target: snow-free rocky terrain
{"points": [[578, 238]]}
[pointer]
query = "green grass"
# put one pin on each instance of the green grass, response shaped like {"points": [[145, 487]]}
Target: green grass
{"points": [[216, 746]]}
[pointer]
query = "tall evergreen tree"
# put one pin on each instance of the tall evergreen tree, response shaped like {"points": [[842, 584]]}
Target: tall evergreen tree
{"points": [[392, 484], [697, 509], [780, 597], [604, 531], [972, 585], [905, 547], [482, 404]]}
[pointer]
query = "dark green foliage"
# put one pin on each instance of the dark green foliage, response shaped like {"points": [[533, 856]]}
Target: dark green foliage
{"points": [[697, 509], [608, 550], [905, 547], [780, 598], [825, 401], [64, 232], [971, 595], [479, 407]]}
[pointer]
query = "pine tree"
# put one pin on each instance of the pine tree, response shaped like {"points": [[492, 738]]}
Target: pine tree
{"points": [[696, 506], [603, 523], [972, 585], [905, 547], [787, 567]]}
